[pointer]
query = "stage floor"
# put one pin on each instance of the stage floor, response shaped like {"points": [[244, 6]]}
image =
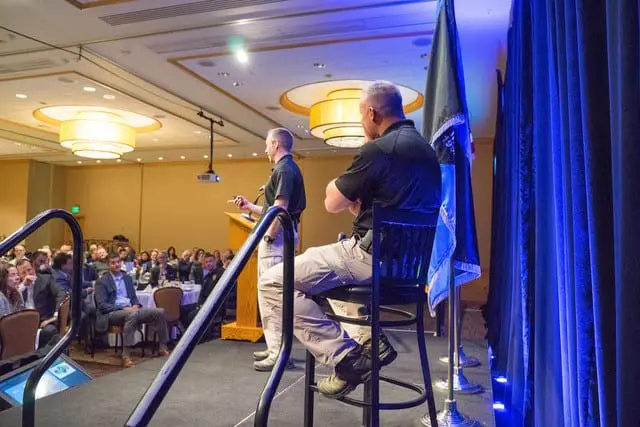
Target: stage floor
{"points": [[218, 387]]}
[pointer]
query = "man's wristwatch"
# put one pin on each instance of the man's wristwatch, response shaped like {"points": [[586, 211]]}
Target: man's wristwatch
{"points": [[269, 239]]}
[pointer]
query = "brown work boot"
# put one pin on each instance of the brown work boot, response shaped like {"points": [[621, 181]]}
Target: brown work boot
{"points": [[352, 371]]}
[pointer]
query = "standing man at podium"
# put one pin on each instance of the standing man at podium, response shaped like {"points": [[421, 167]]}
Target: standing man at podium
{"points": [[284, 188]]}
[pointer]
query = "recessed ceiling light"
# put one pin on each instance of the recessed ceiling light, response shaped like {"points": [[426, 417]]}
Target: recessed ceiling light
{"points": [[254, 154], [319, 65], [109, 97], [206, 156], [206, 63], [89, 89], [223, 74], [300, 126], [242, 56], [160, 158], [98, 161], [79, 162], [229, 155], [182, 157], [21, 96], [138, 160], [197, 132], [118, 161], [237, 84], [155, 139]]}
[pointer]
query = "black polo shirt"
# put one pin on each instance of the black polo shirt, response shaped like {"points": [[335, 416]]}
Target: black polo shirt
{"points": [[397, 170], [286, 181]]}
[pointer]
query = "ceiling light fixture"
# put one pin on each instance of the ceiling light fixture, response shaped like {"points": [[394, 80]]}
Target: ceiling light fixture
{"points": [[237, 84], [319, 65], [155, 139], [138, 159], [21, 96], [109, 97], [79, 162], [160, 158], [223, 74], [89, 89], [118, 161], [182, 157], [206, 156], [98, 161], [333, 108], [96, 132], [229, 155], [254, 154]]}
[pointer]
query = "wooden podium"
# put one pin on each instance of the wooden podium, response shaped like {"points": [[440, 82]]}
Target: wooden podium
{"points": [[246, 327]]}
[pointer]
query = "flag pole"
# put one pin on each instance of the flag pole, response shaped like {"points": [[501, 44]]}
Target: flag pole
{"points": [[450, 416], [464, 361], [460, 383]]}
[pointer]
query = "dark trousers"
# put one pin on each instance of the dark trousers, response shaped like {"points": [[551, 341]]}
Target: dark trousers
{"points": [[48, 336]]}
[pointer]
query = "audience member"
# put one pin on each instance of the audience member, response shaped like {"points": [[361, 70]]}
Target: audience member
{"points": [[184, 266], [117, 304], [10, 298], [19, 252], [163, 271]]}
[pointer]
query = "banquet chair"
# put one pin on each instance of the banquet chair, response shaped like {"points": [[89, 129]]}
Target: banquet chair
{"points": [[18, 333], [170, 299]]}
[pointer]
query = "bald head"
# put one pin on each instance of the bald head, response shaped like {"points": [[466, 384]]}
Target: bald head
{"points": [[380, 106]]}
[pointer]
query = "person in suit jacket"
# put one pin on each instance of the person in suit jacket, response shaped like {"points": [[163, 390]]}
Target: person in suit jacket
{"points": [[61, 272], [184, 266], [117, 304], [163, 271], [40, 293], [211, 276]]}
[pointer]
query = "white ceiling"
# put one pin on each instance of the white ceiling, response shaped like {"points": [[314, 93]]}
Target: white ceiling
{"points": [[162, 57]]}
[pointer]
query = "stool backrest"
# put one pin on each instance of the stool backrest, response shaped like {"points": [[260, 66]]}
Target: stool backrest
{"points": [[402, 245]]}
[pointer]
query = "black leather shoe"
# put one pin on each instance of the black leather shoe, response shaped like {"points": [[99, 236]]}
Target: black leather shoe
{"points": [[386, 353]]}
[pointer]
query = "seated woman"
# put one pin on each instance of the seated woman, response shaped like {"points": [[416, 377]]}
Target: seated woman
{"points": [[163, 271], [10, 298], [184, 266]]}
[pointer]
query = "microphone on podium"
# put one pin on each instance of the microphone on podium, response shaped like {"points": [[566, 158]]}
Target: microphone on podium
{"points": [[247, 215]]}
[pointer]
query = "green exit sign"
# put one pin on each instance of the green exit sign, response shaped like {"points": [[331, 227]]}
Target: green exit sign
{"points": [[75, 209]]}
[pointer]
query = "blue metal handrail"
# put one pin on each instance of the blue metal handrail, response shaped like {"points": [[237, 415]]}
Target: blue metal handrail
{"points": [[151, 400], [29, 397]]}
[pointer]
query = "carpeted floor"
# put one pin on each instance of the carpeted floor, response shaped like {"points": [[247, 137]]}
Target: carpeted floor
{"points": [[218, 387]]}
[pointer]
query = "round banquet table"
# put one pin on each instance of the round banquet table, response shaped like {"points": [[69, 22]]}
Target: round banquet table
{"points": [[191, 293]]}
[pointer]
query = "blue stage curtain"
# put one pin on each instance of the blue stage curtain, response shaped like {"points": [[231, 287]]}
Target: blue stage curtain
{"points": [[566, 281]]}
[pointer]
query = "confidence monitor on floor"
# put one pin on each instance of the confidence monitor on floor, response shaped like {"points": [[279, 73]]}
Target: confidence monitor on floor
{"points": [[62, 375]]}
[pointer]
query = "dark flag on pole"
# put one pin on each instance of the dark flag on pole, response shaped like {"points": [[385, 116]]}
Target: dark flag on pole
{"points": [[446, 127]]}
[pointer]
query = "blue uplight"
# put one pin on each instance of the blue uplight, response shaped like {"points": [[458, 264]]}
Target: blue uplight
{"points": [[498, 406], [501, 380]]}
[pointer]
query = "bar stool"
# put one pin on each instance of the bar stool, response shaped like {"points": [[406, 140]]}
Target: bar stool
{"points": [[401, 250]]}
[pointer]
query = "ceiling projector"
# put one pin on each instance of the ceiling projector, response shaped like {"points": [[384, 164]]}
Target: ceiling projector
{"points": [[209, 177]]}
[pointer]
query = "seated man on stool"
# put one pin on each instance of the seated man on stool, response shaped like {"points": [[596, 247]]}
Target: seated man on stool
{"points": [[118, 305], [397, 168]]}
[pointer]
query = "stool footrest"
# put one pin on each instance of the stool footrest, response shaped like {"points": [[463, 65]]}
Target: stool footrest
{"points": [[406, 318], [388, 406]]}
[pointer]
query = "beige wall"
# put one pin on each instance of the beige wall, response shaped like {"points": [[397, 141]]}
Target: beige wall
{"points": [[14, 176], [161, 205], [47, 190], [109, 200]]}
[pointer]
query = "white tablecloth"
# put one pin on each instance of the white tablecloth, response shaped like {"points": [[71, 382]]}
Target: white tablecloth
{"points": [[190, 296]]}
